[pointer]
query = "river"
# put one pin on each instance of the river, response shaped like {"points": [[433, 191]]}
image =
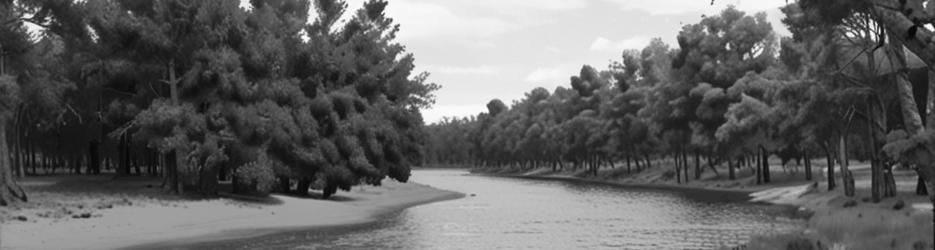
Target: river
{"points": [[512, 213]]}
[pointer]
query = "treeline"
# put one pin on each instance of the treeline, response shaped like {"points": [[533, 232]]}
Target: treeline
{"points": [[197, 91], [731, 94]]}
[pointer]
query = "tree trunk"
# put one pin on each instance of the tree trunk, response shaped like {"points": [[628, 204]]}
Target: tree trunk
{"points": [[697, 166], [678, 170], [910, 112], [731, 173], [920, 187], [94, 157], [889, 182], [18, 144], [759, 169], [302, 186], [808, 166], [765, 168], [9, 190], [685, 164], [711, 163], [135, 160], [637, 162], [595, 163], [32, 156], [830, 167], [628, 163], [876, 180], [208, 180], [846, 177], [876, 168], [175, 186]]}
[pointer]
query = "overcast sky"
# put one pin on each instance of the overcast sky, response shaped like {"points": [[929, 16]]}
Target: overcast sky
{"points": [[478, 50]]}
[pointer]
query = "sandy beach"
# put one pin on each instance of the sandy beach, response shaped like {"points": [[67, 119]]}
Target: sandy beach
{"points": [[56, 220]]}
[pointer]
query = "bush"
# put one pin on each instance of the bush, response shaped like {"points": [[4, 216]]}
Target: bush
{"points": [[257, 177]]}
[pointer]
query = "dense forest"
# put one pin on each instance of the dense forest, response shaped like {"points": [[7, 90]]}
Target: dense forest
{"points": [[264, 95], [853, 82]]}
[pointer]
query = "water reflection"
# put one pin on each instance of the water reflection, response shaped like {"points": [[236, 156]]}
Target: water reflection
{"points": [[509, 213]]}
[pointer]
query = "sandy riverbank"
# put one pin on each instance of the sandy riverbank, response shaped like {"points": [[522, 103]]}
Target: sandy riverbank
{"points": [[127, 217]]}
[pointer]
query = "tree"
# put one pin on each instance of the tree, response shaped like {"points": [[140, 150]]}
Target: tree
{"points": [[715, 53], [27, 79]]}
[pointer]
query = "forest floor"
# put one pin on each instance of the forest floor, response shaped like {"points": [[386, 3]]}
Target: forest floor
{"points": [[103, 212], [834, 220]]}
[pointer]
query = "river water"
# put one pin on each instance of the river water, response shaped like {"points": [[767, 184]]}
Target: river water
{"points": [[511, 213]]}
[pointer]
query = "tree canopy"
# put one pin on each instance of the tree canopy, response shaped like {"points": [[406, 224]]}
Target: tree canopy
{"points": [[210, 89]]}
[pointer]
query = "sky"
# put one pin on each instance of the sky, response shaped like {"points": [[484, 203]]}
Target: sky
{"points": [[478, 50]]}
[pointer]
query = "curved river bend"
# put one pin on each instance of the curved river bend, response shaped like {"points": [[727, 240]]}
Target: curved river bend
{"points": [[510, 213]]}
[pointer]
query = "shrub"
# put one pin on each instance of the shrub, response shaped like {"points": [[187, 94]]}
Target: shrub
{"points": [[257, 176]]}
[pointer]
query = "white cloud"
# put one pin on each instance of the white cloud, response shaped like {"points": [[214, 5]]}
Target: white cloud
{"points": [[554, 75], [552, 49], [472, 19], [604, 44], [553, 5], [484, 44], [437, 112], [421, 20], [670, 7], [475, 70]]}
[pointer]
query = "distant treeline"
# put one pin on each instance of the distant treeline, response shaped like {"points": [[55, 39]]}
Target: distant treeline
{"points": [[197, 91], [731, 94]]}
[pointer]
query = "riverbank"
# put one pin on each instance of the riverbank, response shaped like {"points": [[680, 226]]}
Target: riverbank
{"points": [[94, 212], [833, 220], [900, 222], [651, 178]]}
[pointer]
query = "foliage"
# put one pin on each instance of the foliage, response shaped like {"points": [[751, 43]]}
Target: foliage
{"points": [[257, 176], [208, 85]]}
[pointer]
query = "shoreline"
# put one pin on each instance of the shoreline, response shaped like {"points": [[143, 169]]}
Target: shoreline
{"points": [[633, 182], [160, 225], [656, 186]]}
